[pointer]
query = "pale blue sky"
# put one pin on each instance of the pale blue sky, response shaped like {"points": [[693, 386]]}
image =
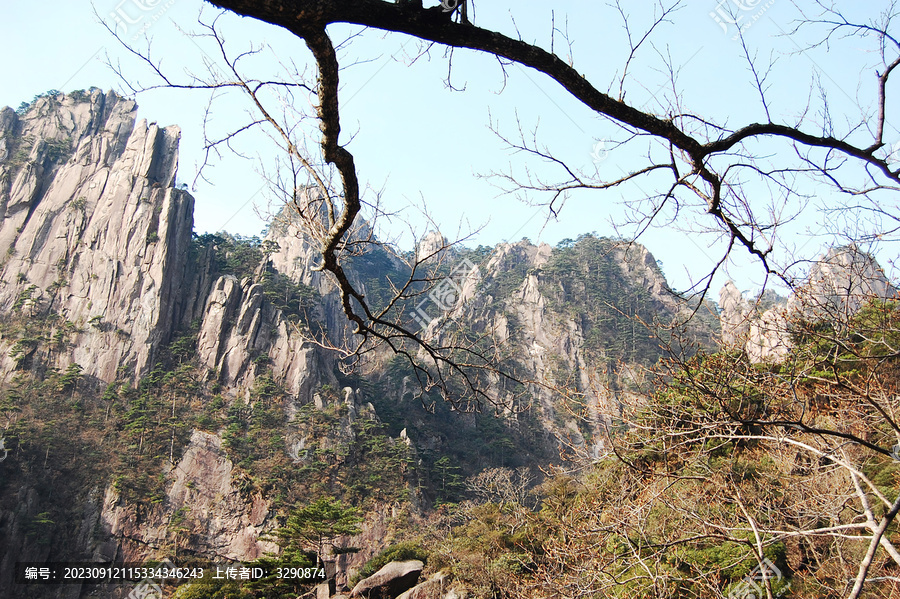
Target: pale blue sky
{"points": [[415, 139]]}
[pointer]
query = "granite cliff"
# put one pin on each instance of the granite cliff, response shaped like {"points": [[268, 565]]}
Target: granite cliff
{"points": [[100, 274], [160, 396], [837, 286]]}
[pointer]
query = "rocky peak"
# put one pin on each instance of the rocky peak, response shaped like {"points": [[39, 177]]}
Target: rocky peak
{"points": [[96, 239], [838, 285], [734, 313], [522, 252], [299, 256], [92, 228], [431, 246], [840, 282]]}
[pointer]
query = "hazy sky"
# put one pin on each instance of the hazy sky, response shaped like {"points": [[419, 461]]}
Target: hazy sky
{"points": [[417, 141]]}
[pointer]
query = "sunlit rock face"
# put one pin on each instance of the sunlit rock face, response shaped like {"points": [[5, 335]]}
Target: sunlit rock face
{"points": [[838, 285], [238, 326], [734, 312], [95, 242], [92, 226], [202, 488], [95, 229]]}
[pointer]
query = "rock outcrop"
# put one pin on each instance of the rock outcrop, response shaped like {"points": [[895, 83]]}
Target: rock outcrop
{"points": [[210, 509], [95, 232], [433, 588], [534, 308], [734, 313], [92, 227], [432, 246], [96, 239], [299, 257], [97, 246], [390, 581], [239, 326], [838, 285]]}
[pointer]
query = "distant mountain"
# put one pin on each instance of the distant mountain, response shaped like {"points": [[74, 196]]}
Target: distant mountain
{"points": [[160, 394], [837, 286]]}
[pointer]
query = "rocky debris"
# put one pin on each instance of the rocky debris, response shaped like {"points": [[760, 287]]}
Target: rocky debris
{"points": [[390, 581], [91, 219]]}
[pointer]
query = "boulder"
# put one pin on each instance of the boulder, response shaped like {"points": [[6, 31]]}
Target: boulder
{"points": [[433, 588], [390, 581], [325, 589]]}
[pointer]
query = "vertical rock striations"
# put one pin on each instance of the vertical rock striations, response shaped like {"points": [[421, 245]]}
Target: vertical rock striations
{"points": [[242, 335], [93, 229], [838, 285], [95, 232]]}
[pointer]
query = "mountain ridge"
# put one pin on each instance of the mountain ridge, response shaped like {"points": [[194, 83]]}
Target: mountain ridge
{"points": [[184, 365]]}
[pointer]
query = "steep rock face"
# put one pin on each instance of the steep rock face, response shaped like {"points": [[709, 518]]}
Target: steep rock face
{"points": [[95, 237], [92, 227], [838, 285], [19, 534], [299, 257], [212, 513], [239, 327], [734, 312], [533, 322], [94, 230]]}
